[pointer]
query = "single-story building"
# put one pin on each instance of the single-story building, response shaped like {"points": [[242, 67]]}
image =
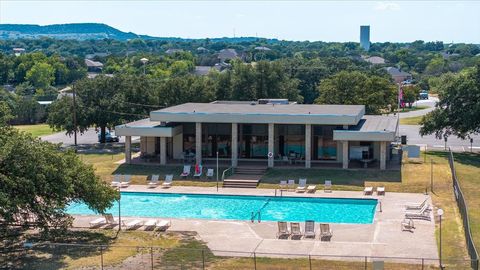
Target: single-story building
{"points": [[398, 75], [267, 131]]}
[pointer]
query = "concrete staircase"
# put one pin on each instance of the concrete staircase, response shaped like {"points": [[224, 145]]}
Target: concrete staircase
{"points": [[245, 177]]}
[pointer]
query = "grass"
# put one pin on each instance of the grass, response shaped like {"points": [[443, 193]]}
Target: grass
{"points": [[414, 108], [413, 177], [36, 130], [411, 120]]}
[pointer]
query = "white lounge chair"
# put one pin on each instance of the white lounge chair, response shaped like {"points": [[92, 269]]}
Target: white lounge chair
{"points": [[186, 171], [126, 181], [153, 181], [416, 206], [199, 173], [311, 189], [309, 229], [291, 184], [168, 181], [163, 225], [210, 173], [132, 224], [368, 191], [283, 184], [117, 178], [302, 185], [150, 224], [328, 186], [408, 225], [295, 230], [325, 231], [380, 191], [282, 229], [110, 220], [97, 222], [423, 213]]}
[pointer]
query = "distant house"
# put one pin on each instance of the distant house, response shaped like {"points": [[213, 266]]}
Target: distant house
{"points": [[92, 75], [447, 55], [93, 66], [172, 51], [262, 48], [18, 51], [227, 54], [202, 50], [97, 54], [398, 75], [375, 60]]}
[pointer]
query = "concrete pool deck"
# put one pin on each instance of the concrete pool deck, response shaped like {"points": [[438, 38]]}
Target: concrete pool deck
{"points": [[382, 238]]}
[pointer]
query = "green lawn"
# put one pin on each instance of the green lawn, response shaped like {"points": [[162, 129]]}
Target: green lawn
{"points": [[416, 108], [36, 130], [411, 120]]}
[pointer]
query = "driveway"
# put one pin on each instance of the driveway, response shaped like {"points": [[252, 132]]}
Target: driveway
{"points": [[430, 102], [90, 137]]}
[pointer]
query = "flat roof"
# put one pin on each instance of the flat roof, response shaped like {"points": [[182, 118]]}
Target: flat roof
{"points": [[261, 113], [146, 127], [370, 128]]}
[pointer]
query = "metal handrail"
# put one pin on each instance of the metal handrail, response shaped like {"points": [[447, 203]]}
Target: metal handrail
{"points": [[226, 170]]}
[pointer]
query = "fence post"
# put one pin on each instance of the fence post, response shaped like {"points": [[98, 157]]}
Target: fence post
{"points": [[254, 261], [101, 257], [151, 256], [203, 259], [310, 261], [423, 263], [366, 266]]}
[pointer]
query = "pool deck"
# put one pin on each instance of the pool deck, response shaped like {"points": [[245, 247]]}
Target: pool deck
{"points": [[383, 238]]}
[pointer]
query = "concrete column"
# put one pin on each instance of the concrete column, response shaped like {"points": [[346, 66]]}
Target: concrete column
{"points": [[345, 154], [308, 145], [163, 151], [198, 142], [271, 144], [234, 144], [383, 154], [128, 149]]}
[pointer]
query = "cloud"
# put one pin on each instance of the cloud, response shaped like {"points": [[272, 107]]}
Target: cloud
{"points": [[385, 6]]}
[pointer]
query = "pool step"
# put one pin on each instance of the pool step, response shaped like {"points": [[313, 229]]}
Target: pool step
{"points": [[240, 183]]}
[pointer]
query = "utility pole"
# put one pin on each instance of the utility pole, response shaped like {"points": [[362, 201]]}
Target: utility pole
{"points": [[74, 116]]}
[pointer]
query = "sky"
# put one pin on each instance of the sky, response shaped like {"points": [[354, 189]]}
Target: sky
{"points": [[400, 21]]}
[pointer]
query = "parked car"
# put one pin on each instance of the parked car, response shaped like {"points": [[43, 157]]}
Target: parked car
{"points": [[109, 137], [423, 94]]}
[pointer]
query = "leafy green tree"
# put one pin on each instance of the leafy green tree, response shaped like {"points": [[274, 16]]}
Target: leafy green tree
{"points": [[458, 112], [375, 92], [435, 67], [411, 94], [38, 181], [41, 75], [5, 113]]}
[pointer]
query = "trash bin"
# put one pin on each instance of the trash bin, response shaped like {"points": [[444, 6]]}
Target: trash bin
{"points": [[404, 139]]}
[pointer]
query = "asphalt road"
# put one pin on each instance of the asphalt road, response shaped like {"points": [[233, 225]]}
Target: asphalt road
{"points": [[88, 138]]}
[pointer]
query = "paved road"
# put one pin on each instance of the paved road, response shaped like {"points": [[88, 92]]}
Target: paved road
{"points": [[429, 102], [457, 144], [87, 138]]}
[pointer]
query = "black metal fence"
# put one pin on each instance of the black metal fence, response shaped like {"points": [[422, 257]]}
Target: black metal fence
{"points": [[462, 205], [48, 256]]}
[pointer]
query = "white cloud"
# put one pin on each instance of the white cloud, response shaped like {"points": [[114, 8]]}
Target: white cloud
{"points": [[384, 6]]}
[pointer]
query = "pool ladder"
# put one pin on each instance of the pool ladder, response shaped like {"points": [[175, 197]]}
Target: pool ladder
{"points": [[258, 214]]}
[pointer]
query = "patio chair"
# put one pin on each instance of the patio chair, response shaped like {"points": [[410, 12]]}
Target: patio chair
{"points": [[153, 181], [416, 206], [163, 225], [328, 186], [126, 181], [311, 189], [285, 160], [186, 171], [309, 229], [380, 191], [302, 185], [283, 184], [291, 184], [168, 181], [325, 231], [150, 225], [132, 224], [408, 225], [282, 230], [97, 222], [423, 213], [198, 171], [296, 230], [210, 173], [110, 220], [117, 178], [368, 191]]}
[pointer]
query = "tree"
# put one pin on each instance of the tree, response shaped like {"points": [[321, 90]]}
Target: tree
{"points": [[457, 112], [375, 92], [39, 180], [5, 113], [410, 94], [41, 75]]}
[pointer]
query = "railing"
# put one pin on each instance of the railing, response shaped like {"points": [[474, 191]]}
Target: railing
{"points": [[49, 256], [227, 172], [462, 205]]}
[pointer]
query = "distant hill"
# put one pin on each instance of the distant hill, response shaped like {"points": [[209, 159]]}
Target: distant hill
{"points": [[84, 31]]}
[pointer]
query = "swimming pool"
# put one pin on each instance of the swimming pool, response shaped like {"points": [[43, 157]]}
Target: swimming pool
{"points": [[233, 207]]}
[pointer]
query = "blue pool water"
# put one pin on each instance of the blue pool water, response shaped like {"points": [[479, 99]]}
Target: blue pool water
{"points": [[328, 210]]}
